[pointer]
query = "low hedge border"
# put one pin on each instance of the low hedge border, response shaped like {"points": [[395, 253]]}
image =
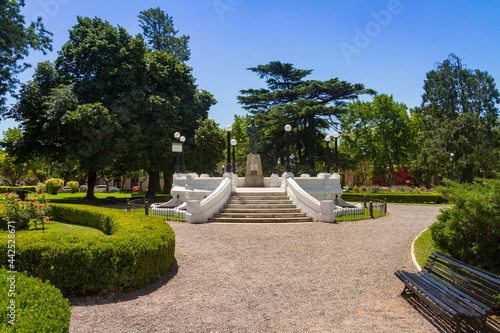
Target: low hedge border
{"points": [[400, 197], [4, 189], [38, 306], [136, 251]]}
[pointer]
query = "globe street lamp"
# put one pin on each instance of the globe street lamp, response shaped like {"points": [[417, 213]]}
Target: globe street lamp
{"points": [[233, 143], [327, 164], [451, 160], [229, 128], [183, 166], [336, 136], [288, 128], [177, 135]]}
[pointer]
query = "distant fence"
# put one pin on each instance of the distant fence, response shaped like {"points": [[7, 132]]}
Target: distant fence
{"points": [[372, 208], [143, 206]]}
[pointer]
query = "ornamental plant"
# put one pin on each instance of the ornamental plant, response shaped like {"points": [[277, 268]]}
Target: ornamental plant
{"points": [[54, 185], [32, 212], [74, 186]]}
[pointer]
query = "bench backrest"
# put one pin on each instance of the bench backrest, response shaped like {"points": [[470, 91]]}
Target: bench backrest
{"points": [[479, 284]]}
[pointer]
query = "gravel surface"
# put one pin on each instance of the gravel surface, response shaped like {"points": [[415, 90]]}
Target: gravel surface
{"points": [[313, 277]]}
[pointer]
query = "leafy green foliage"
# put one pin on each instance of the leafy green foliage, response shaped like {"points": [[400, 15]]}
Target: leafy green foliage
{"points": [[158, 29], [459, 115], [53, 185], [470, 231], [15, 42], [39, 306], [400, 197], [136, 251], [25, 214], [208, 138], [11, 170], [378, 132], [74, 186], [309, 106]]}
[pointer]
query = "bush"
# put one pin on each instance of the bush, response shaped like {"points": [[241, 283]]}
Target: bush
{"points": [[54, 185], [5, 189], [395, 197], [74, 186], [470, 231], [39, 307], [41, 188], [136, 251], [25, 214]]}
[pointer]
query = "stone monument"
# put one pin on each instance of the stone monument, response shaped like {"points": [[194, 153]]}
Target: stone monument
{"points": [[253, 174]]}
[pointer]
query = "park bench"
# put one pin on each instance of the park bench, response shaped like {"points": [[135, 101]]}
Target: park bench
{"points": [[460, 292]]}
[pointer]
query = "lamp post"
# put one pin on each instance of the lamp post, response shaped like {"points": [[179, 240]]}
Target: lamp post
{"points": [[233, 143], [288, 128], [451, 160], [335, 161], [177, 135], [229, 128], [183, 165], [327, 164]]}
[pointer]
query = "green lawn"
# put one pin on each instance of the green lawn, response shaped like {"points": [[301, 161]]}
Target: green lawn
{"points": [[423, 247], [53, 227], [79, 198], [365, 215]]}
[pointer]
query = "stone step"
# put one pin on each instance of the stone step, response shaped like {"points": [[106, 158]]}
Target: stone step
{"points": [[259, 206], [246, 210], [259, 220], [259, 215], [263, 194], [257, 201]]}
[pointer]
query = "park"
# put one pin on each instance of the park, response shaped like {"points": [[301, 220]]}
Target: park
{"points": [[326, 206]]}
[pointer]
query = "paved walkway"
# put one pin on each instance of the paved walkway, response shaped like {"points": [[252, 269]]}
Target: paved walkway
{"points": [[314, 277]]}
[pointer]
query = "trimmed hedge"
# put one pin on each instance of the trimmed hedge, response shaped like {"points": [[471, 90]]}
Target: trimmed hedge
{"points": [[136, 251], [400, 197], [38, 307], [4, 189]]}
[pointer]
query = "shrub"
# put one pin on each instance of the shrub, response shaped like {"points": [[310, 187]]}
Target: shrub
{"points": [[74, 186], [41, 188], [54, 185], [470, 231], [5, 189], [39, 307], [24, 213], [136, 251], [395, 197]]}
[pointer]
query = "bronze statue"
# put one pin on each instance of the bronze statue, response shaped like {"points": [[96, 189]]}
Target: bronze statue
{"points": [[253, 131]]}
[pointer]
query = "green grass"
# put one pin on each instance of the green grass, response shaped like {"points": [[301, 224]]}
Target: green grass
{"points": [[54, 227], [423, 247], [79, 198]]}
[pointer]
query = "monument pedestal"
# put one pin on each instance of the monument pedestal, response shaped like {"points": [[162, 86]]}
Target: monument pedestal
{"points": [[253, 174]]}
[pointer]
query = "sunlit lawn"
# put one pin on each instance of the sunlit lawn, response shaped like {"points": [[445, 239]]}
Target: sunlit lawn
{"points": [[52, 227], [79, 197]]}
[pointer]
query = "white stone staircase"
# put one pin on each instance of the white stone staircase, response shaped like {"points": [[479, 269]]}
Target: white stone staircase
{"points": [[259, 207]]}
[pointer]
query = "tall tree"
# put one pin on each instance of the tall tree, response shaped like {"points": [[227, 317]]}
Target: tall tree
{"points": [[208, 148], [459, 115], [15, 42], [310, 106], [158, 29], [379, 132]]}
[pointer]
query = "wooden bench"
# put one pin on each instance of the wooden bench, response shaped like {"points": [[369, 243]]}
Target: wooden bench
{"points": [[460, 292]]}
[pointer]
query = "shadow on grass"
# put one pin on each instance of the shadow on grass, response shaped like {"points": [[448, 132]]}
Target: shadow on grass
{"points": [[117, 297]]}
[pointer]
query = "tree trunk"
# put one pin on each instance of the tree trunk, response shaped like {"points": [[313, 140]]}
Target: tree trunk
{"points": [[91, 180], [167, 182], [154, 182]]}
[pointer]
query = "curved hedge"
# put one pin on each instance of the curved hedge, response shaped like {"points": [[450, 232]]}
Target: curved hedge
{"points": [[38, 306], [136, 251], [400, 197]]}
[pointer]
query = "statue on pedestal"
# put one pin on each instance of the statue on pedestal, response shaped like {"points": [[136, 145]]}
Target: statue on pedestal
{"points": [[253, 131]]}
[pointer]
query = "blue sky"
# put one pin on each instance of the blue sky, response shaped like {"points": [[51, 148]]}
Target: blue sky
{"points": [[388, 45]]}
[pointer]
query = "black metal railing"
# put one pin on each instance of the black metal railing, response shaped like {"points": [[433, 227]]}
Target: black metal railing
{"points": [[143, 206], [372, 208]]}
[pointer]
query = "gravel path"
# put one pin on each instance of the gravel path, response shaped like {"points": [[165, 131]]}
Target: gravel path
{"points": [[314, 277]]}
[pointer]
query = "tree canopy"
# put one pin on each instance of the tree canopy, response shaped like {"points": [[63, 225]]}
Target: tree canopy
{"points": [[309, 106], [15, 42], [459, 115]]}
